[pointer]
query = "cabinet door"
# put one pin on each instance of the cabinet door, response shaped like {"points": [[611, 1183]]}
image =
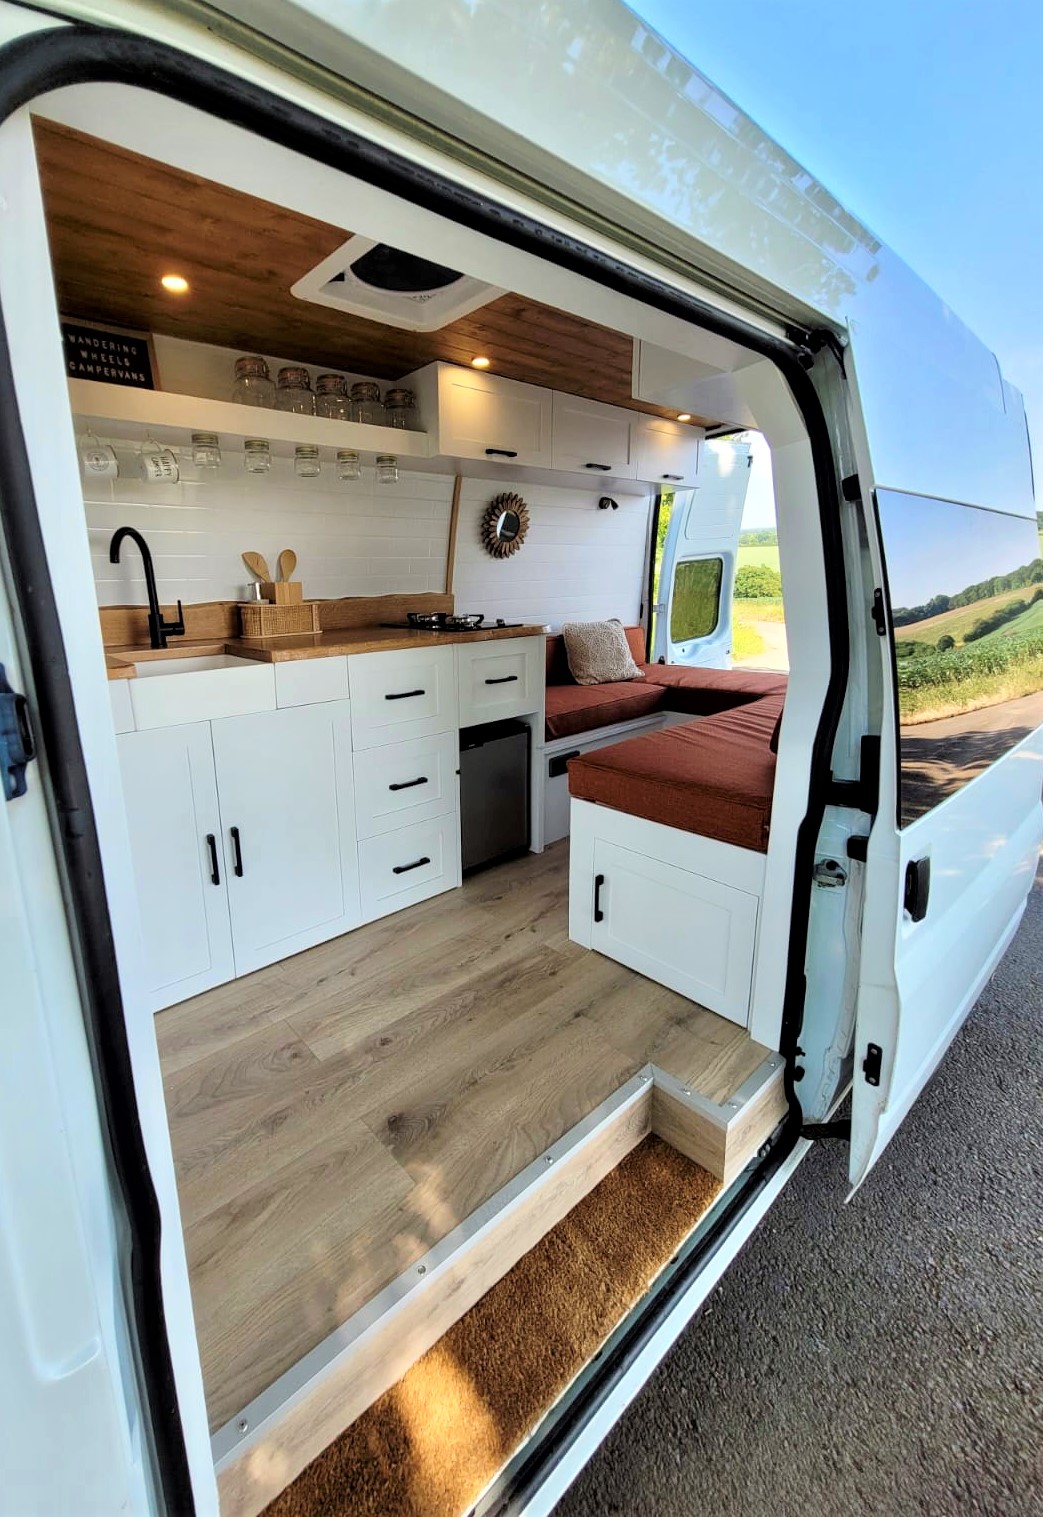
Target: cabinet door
{"points": [[591, 438], [172, 812], [499, 420], [288, 819], [667, 451]]}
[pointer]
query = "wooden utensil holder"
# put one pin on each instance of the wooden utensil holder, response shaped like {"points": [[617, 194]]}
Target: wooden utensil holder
{"points": [[259, 619], [282, 592]]}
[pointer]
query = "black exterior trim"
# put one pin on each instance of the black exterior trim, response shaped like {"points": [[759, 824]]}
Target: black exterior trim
{"points": [[35, 65]]}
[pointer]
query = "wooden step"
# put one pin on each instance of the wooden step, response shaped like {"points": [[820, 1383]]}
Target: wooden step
{"points": [[266, 1445]]}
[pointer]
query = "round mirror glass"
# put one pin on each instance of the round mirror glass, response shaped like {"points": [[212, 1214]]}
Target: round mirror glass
{"points": [[508, 525]]}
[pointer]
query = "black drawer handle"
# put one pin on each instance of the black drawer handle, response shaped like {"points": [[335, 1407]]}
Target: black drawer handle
{"points": [[673, 476], [403, 695], [238, 869], [502, 452], [606, 467], [559, 764], [405, 868], [599, 915], [215, 873], [504, 679], [409, 784]]}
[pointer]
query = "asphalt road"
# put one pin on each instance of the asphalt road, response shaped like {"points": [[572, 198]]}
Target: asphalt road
{"points": [[881, 1357]]}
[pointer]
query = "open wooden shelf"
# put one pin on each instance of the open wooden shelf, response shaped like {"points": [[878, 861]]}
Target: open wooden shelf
{"points": [[119, 414]]}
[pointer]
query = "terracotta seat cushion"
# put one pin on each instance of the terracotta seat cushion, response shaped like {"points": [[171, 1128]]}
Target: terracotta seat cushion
{"points": [[572, 709], [714, 777], [703, 692]]}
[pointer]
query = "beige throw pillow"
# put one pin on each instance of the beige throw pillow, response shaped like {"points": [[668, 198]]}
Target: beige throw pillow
{"points": [[598, 653]]}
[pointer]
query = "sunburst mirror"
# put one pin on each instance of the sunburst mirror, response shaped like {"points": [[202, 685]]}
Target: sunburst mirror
{"points": [[505, 523]]}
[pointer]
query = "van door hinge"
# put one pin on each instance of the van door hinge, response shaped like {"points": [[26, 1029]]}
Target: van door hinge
{"points": [[841, 1129], [872, 1064], [878, 614], [17, 748]]}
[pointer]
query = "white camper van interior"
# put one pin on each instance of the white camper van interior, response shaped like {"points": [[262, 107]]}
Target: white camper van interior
{"points": [[444, 918]]}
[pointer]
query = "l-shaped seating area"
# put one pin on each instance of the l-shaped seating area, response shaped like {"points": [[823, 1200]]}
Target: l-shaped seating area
{"points": [[670, 827]]}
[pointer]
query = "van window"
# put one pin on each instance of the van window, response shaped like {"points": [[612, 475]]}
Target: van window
{"points": [[966, 594], [695, 608]]}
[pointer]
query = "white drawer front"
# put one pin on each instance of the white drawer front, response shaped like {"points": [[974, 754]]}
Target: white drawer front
{"points": [[405, 782], [401, 695], [311, 681], [408, 865], [500, 679]]}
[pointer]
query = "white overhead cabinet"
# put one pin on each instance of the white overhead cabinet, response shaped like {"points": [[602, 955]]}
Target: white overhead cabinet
{"points": [[591, 438], [284, 780], [479, 415], [666, 452], [170, 795]]}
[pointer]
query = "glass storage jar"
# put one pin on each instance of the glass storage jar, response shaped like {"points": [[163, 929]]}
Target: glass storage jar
{"points": [[294, 393], [331, 397], [306, 463], [349, 465], [257, 455], [206, 450], [400, 409], [387, 469], [365, 403], [252, 385]]}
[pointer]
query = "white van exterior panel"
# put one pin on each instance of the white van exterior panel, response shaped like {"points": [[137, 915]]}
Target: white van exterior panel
{"points": [[698, 178]]}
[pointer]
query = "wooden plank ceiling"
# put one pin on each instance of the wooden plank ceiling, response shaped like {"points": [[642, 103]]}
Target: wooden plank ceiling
{"points": [[118, 221]]}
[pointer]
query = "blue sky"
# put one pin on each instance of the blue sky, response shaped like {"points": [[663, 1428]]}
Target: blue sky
{"points": [[925, 118]]}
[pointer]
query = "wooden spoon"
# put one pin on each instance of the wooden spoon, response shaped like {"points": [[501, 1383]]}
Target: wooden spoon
{"points": [[256, 565], [287, 563]]}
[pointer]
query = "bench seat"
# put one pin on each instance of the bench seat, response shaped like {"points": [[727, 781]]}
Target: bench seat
{"points": [[572, 709], [714, 777], [704, 692]]}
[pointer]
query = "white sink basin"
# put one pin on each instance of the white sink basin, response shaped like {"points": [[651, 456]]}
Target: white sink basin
{"points": [[189, 665], [200, 689]]}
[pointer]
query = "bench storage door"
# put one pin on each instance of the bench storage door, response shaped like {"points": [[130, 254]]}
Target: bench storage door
{"points": [[692, 934]]}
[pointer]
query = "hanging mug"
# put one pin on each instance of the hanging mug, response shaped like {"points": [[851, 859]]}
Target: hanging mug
{"points": [[97, 458], [158, 465]]}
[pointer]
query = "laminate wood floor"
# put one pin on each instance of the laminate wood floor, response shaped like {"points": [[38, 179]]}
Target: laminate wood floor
{"points": [[334, 1115]]}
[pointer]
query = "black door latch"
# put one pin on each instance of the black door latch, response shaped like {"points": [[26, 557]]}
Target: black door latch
{"points": [[17, 748]]}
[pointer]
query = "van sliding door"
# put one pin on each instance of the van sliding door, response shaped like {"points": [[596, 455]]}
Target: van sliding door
{"points": [[954, 848]]}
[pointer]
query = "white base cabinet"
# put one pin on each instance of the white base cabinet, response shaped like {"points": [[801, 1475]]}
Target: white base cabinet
{"points": [[170, 795], [403, 867], [284, 779]]}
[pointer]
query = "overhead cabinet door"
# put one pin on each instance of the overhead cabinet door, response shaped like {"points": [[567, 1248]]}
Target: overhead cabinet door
{"points": [[499, 420], [593, 439], [175, 839], [287, 811]]}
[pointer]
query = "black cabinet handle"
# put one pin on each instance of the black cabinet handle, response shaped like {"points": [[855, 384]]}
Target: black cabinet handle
{"points": [[606, 467], [559, 764], [405, 868], [215, 873], [504, 679], [502, 452], [673, 476], [238, 869], [599, 915], [403, 695], [409, 784]]}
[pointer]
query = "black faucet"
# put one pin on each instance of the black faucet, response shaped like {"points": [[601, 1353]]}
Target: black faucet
{"points": [[158, 629]]}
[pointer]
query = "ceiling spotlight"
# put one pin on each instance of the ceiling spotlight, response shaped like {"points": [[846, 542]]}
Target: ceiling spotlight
{"points": [[177, 284], [684, 416], [480, 363]]}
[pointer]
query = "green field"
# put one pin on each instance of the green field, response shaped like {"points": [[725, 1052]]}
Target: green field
{"points": [[756, 554], [958, 623], [1028, 623]]}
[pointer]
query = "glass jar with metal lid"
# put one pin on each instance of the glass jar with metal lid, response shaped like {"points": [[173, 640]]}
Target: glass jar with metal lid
{"points": [[252, 385], [295, 393], [400, 409], [331, 397], [365, 403]]}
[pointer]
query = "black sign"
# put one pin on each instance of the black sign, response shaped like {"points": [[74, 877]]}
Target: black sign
{"points": [[109, 354]]}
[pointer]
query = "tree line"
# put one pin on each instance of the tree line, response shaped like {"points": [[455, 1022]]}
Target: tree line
{"points": [[1018, 579]]}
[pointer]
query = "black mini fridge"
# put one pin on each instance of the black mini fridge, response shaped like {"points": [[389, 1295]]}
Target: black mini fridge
{"points": [[494, 792]]}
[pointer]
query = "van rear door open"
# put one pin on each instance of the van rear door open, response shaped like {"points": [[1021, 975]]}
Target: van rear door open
{"points": [[955, 844]]}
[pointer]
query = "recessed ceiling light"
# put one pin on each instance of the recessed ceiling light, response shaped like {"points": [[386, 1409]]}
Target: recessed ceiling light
{"points": [[480, 363], [684, 416], [177, 284]]}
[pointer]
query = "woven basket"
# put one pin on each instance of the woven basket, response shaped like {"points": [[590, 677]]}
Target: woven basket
{"points": [[259, 619]]}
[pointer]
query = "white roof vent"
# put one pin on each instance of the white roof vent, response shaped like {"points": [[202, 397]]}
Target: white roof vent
{"points": [[372, 279]]}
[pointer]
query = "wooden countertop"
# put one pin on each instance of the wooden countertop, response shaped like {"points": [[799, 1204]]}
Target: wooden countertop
{"points": [[120, 662]]}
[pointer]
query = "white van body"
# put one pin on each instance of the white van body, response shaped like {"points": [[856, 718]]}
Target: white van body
{"points": [[602, 134]]}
